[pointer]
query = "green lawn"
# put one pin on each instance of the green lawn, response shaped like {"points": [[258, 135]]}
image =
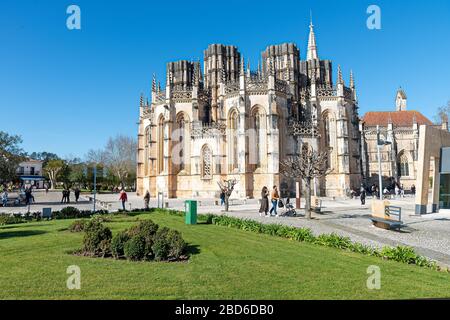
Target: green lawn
{"points": [[229, 264]]}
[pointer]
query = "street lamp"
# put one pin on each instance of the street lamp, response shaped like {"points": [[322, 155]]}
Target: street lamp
{"points": [[380, 143]]}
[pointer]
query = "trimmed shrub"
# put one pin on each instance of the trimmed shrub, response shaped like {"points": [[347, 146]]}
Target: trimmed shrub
{"points": [[134, 248], [77, 226], [68, 212], [177, 246], [96, 238], [118, 244], [7, 219]]}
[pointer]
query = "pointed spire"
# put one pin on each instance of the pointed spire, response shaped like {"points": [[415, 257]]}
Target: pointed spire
{"points": [[242, 67], [340, 78], [312, 47], [352, 80], [154, 83], [159, 86], [248, 68], [259, 70], [141, 101]]}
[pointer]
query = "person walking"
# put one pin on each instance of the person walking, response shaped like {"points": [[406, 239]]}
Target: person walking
{"points": [[275, 198], [222, 198], [77, 194], [264, 202], [63, 199], [413, 190], [28, 196], [5, 198], [124, 198], [147, 200], [46, 188], [362, 195]]}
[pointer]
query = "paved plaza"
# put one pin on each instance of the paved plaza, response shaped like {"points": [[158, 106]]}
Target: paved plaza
{"points": [[428, 234]]}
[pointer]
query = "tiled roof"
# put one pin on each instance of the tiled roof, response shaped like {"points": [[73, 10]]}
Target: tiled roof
{"points": [[397, 118]]}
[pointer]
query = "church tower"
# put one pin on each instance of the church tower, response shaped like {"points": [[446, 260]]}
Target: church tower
{"points": [[400, 100]]}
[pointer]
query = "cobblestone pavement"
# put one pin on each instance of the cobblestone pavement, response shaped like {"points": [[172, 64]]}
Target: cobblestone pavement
{"points": [[428, 234]]}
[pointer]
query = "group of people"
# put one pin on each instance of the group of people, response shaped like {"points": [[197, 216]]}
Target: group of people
{"points": [[275, 199], [66, 195], [374, 191]]}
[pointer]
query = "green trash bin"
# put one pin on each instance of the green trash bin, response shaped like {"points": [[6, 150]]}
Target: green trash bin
{"points": [[191, 211]]}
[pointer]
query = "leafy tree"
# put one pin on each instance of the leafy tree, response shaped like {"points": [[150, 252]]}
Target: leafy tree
{"points": [[45, 157], [309, 165], [53, 169], [10, 156]]}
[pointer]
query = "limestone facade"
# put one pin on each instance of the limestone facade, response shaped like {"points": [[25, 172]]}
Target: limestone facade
{"points": [[226, 121], [400, 159]]}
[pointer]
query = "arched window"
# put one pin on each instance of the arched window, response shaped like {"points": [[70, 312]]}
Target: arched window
{"points": [[206, 163], [181, 138], [161, 127], [233, 148], [326, 129], [257, 147], [147, 150], [403, 165]]}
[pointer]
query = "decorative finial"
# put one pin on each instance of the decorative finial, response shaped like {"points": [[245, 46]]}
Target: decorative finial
{"points": [[271, 67], [340, 78], [242, 67], [141, 101], [248, 68], [154, 83], [352, 80]]}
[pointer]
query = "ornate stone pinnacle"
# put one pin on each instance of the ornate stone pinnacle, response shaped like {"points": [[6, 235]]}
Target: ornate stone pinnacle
{"points": [[340, 78], [352, 80], [154, 83]]}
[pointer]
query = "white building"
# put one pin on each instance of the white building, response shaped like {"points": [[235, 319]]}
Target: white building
{"points": [[30, 173]]}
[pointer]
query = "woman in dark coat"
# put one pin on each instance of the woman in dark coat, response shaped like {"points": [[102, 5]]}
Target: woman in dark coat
{"points": [[264, 201]]}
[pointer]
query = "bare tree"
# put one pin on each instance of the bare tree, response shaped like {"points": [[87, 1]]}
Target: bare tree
{"points": [[227, 187], [118, 156], [309, 165], [443, 114]]}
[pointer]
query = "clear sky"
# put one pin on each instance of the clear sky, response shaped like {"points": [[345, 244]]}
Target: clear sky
{"points": [[68, 91]]}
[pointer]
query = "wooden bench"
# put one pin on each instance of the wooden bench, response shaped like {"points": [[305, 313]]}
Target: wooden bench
{"points": [[394, 221]]}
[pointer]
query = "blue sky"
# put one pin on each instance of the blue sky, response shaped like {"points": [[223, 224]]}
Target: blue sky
{"points": [[68, 91]]}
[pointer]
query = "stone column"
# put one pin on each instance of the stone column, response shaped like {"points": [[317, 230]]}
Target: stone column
{"points": [[436, 185], [423, 172]]}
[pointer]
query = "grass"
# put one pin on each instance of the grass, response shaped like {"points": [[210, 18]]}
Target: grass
{"points": [[226, 264]]}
